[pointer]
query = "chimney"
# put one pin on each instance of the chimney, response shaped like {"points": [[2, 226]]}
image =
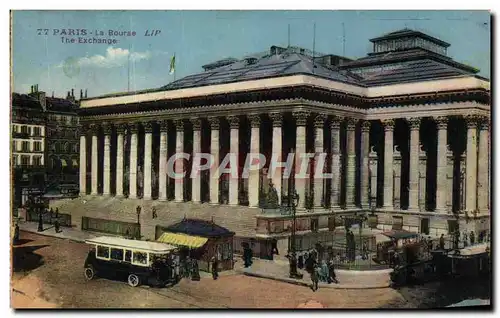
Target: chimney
{"points": [[72, 92], [52, 94], [81, 93], [31, 91], [85, 93], [68, 96]]}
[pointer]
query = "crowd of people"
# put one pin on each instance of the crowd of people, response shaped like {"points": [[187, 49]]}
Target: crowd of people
{"points": [[465, 239]]}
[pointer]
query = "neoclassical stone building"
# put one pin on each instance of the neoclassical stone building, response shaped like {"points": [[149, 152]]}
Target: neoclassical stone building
{"points": [[405, 129]]}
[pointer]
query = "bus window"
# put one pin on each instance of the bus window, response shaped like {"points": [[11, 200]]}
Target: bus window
{"points": [[128, 256], [103, 251], [117, 254], [140, 258]]}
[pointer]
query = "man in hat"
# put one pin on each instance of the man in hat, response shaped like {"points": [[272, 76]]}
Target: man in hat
{"points": [[215, 264]]}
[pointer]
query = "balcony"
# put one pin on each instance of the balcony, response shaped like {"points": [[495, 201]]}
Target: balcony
{"points": [[21, 135]]}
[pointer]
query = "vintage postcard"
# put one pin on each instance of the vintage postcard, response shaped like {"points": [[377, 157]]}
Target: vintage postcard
{"points": [[250, 159]]}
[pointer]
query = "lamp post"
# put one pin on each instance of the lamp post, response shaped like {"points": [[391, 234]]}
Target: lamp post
{"points": [[293, 202], [138, 233]]}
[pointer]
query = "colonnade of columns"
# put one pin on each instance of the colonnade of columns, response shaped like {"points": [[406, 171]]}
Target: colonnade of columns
{"points": [[356, 190]]}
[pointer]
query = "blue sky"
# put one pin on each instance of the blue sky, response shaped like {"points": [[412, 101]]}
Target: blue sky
{"points": [[200, 37]]}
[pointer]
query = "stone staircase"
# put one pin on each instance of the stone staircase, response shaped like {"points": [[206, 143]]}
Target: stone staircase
{"points": [[239, 219]]}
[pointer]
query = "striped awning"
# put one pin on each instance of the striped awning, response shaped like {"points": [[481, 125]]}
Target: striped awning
{"points": [[64, 163], [180, 239], [75, 163]]}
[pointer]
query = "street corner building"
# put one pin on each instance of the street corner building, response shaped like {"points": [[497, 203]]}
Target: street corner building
{"points": [[406, 130]]}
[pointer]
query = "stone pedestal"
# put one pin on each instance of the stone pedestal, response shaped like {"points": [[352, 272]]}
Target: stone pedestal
{"points": [[162, 174]]}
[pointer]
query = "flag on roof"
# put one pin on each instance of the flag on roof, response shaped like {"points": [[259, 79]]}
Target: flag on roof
{"points": [[172, 65]]}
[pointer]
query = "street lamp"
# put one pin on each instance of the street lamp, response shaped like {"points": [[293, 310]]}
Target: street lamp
{"points": [[138, 233]]}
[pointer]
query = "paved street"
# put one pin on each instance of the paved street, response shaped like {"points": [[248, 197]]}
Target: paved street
{"points": [[48, 272]]}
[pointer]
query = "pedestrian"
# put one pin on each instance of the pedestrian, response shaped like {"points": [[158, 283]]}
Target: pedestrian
{"points": [[57, 213], [325, 273], [364, 252], [480, 237], [472, 237], [247, 256], [215, 264], [56, 226], [16, 233], [464, 238], [456, 239], [154, 213], [300, 263], [441, 242], [195, 275], [315, 278], [331, 272], [274, 245], [489, 236]]}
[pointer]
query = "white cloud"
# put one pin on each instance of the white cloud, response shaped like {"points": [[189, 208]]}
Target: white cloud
{"points": [[114, 57]]}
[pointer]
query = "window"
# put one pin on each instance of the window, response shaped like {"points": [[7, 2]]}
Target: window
{"points": [[314, 224], [14, 160], [37, 131], [75, 148], [227, 252], [14, 147], [29, 130], [24, 129], [37, 160], [103, 251], [117, 254], [14, 129], [128, 255], [25, 160], [25, 146], [37, 146], [397, 222], [140, 258]]}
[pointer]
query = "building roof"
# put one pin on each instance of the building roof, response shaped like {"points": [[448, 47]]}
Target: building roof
{"points": [[198, 227], [61, 105], [409, 33], [26, 101], [270, 65]]}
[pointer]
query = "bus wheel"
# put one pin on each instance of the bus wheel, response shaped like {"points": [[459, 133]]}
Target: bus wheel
{"points": [[133, 280], [89, 272]]}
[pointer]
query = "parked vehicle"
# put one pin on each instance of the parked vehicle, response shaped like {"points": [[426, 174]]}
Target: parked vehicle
{"points": [[140, 262]]}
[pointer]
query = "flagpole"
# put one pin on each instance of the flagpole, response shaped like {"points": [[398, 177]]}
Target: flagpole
{"points": [[175, 68], [314, 44]]}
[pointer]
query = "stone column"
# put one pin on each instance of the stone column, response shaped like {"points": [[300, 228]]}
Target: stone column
{"points": [[319, 147], [94, 163], [214, 169], [471, 165], [397, 177], [441, 184], [388, 164], [350, 186], [162, 166], [196, 181], [234, 123], [179, 163], [83, 160], [277, 146], [449, 179], [482, 171], [300, 148], [134, 130], [373, 156], [365, 165], [422, 170], [336, 166], [254, 175], [106, 190], [148, 145], [414, 124], [120, 131]]}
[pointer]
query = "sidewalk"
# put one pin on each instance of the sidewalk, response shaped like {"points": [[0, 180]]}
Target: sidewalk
{"points": [[278, 270]]}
